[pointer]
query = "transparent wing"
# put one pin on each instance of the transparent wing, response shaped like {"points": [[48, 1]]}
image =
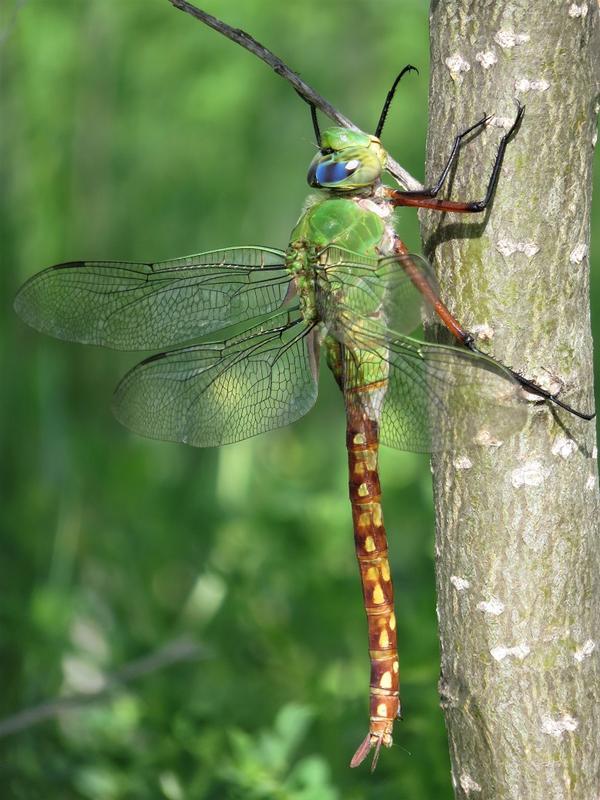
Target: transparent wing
{"points": [[130, 306], [220, 392], [430, 397], [427, 397], [398, 290]]}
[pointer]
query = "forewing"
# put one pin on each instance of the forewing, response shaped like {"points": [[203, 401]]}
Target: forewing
{"points": [[221, 392], [430, 397], [130, 306]]}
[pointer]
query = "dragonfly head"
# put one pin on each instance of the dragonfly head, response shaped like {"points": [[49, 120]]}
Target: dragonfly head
{"points": [[347, 161]]}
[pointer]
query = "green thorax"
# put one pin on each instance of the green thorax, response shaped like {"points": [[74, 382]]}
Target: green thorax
{"points": [[341, 222], [333, 221]]}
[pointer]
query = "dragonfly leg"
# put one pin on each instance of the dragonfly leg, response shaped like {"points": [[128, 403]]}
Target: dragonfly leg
{"points": [[362, 438], [433, 191], [466, 338], [426, 198], [430, 294]]}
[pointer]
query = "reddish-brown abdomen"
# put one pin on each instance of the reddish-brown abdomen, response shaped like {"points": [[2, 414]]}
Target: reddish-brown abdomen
{"points": [[371, 551]]}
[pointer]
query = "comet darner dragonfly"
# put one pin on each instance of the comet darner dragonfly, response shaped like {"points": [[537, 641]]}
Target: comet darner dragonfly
{"points": [[345, 282]]}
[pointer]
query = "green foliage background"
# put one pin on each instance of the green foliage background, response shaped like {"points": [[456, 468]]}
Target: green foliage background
{"points": [[128, 131]]}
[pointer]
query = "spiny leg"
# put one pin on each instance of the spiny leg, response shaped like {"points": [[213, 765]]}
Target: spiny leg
{"points": [[466, 338], [531, 386], [427, 199], [433, 191], [429, 292]]}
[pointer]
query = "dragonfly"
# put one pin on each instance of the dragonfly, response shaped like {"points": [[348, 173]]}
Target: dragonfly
{"points": [[244, 328]]}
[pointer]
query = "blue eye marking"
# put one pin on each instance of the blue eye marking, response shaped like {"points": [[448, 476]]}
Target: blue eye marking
{"points": [[333, 172]]}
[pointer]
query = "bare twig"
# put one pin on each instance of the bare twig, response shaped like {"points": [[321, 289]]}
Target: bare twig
{"points": [[173, 653], [307, 92]]}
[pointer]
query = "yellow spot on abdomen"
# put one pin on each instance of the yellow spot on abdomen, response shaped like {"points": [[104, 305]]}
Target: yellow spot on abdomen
{"points": [[392, 621], [396, 666], [385, 570], [363, 490], [377, 515], [364, 520], [378, 596], [386, 680], [371, 460], [369, 544], [384, 639], [371, 574], [359, 468], [382, 710], [360, 438]]}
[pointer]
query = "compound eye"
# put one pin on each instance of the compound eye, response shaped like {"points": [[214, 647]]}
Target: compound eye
{"points": [[334, 172]]}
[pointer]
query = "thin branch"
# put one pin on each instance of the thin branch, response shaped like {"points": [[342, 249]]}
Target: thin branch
{"points": [[168, 656], [307, 92]]}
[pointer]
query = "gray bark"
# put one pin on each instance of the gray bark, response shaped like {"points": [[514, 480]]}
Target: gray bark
{"points": [[517, 524]]}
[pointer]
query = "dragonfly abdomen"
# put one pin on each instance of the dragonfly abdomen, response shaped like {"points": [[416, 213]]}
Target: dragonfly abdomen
{"points": [[370, 539]]}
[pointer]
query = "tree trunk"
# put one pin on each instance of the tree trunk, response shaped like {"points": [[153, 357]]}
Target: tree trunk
{"points": [[517, 523]]}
